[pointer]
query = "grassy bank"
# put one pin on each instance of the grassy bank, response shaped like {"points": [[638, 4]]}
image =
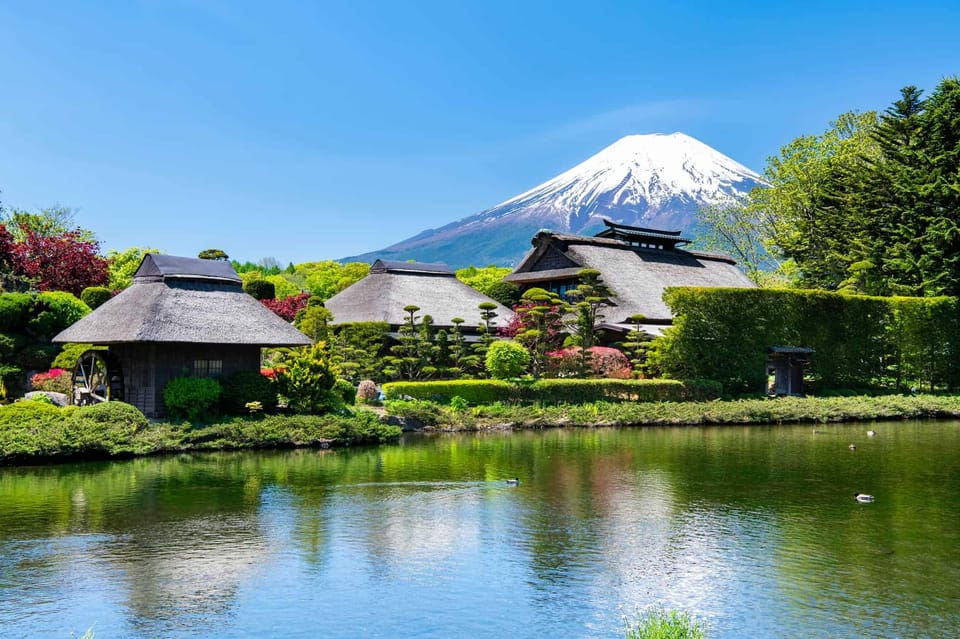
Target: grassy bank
{"points": [[782, 410], [35, 432]]}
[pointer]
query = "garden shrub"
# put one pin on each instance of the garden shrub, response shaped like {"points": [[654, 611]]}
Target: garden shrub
{"points": [[56, 380], [507, 359], [307, 382], [94, 296], [243, 387], [555, 391], [346, 391], [192, 398], [15, 311], [54, 311], [891, 343], [118, 413], [260, 289], [474, 391], [601, 361], [367, 391]]}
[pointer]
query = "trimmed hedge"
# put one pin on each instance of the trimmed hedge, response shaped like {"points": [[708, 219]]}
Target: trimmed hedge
{"points": [[887, 343], [555, 391]]}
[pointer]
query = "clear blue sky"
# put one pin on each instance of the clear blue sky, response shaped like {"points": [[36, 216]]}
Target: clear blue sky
{"points": [[309, 130]]}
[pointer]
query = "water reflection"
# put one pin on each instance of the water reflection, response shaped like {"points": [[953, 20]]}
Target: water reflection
{"points": [[754, 529]]}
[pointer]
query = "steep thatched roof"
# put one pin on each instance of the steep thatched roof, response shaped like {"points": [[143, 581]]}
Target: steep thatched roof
{"points": [[182, 299], [637, 275], [381, 296]]}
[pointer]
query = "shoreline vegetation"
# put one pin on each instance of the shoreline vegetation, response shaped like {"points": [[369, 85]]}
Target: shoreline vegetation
{"points": [[34, 432]]}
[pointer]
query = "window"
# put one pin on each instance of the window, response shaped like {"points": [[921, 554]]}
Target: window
{"points": [[207, 367]]}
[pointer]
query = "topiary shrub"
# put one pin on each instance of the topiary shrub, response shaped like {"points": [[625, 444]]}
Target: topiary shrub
{"points": [[507, 293], [192, 398], [346, 391], [243, 387], [94, 296], [507, 359], [117, 413], [260, 289]]}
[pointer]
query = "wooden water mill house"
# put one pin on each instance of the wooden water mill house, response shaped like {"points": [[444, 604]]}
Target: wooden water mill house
{"points": [[181, 316]]}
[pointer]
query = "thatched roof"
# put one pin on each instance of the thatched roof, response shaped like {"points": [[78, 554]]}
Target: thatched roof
{"points": [[382, 294], [637, 275], [182, 299]]}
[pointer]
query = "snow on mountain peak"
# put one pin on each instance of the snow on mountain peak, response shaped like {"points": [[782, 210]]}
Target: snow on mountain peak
{"points": [[654, 180], [644, 168]]}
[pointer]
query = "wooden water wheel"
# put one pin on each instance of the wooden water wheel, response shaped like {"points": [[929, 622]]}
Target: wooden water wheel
{"points": [[97, 377]]}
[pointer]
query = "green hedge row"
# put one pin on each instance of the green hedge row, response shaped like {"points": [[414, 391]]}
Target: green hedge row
{"points": [[555, 391], [891, 343]]}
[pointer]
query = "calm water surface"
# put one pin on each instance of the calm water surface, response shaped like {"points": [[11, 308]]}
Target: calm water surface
{"points": [[754, 530]]}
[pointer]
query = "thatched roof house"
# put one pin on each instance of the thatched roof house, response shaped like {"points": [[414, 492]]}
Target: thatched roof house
{"points": [[180, 315], [391, 285], [636, 263]]}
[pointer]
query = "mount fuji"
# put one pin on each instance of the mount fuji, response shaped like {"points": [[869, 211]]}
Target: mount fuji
{"points": [[655, 181]]}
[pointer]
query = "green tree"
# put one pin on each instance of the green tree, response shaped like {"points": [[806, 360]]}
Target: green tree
{"points": [[505, 360], [214, 254], [121, 265], [483, 279]]}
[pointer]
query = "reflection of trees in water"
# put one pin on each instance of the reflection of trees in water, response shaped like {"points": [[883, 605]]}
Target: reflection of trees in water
{"points": [[600, 514]]}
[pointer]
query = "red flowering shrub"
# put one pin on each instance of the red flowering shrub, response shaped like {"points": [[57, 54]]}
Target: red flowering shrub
{"points": [[603, 362], [60, 262], [271, 373], [287, 307], [55, 380]]}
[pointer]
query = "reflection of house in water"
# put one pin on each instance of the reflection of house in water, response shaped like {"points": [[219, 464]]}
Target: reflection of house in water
{"points": [[636, 263]]}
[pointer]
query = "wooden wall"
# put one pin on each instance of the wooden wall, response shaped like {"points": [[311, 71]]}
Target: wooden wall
{"points": [[148, 367]]}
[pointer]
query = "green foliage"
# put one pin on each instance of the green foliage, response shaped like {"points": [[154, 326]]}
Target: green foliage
{"points": [[214, 254], [346, 391], [307, 382], [474, 391], [260, 289], [483, 279], [507, 293], [356, 349], [660, 624], [94, 296], [314, 321], [54, 311], [121, 265], [554, 391], [859, 342], [27, 323], [116, 413], [67, 358], [326, 279], [35, 430], [192, 398], [15, 311], [416, 354], [242, 387], [507, 359]]}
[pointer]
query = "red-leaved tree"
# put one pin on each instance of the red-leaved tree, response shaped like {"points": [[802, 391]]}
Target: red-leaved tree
{"points": [[64, 262], [287, 307]]}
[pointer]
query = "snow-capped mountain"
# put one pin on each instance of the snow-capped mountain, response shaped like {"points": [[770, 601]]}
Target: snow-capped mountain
{"points": [[656, 181]]}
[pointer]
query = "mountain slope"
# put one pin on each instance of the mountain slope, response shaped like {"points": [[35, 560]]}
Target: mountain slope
{"points": [[653, 180]]}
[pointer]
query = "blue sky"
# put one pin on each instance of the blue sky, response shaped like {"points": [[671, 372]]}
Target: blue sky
{"points": [[308, 130]]}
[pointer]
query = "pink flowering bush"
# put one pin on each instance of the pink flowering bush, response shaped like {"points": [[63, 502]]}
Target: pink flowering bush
{"points": [[603, 362], [55, 380]]}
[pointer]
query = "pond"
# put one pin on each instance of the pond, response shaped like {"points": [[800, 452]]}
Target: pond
{"points": [[754, 530]]}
